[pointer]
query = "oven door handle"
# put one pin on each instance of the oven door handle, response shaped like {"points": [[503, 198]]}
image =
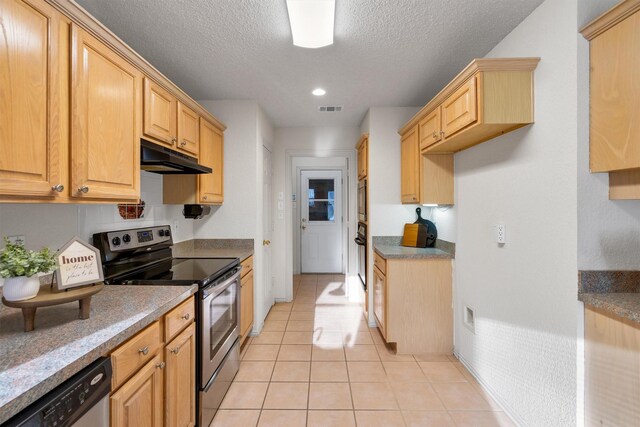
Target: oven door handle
{"points": [[360, 241], [215, 289]]}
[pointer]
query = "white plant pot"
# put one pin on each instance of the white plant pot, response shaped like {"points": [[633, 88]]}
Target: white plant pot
{"points": [[20, 288]]}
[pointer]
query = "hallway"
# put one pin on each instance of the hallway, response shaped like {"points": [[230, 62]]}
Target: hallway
{"points": [[317, 363]]}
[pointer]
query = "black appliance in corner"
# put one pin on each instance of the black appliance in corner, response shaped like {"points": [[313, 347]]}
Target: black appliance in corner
{"points": [[144, 257], [361, 241]]}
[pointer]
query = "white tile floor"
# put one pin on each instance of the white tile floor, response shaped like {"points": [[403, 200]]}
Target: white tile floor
{"points": [[317, 363]]}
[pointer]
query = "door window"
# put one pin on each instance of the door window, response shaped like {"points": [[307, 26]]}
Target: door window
{"points": [[321, 200]]}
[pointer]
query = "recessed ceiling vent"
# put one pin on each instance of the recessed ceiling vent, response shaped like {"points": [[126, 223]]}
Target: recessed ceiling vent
{"points": [[330, 109]]}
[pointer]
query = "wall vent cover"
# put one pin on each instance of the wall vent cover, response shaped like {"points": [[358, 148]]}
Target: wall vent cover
{"points": [[330, 109]]}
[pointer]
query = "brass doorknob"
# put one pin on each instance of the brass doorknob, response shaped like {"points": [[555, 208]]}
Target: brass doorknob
{"points": [[266, 242]]}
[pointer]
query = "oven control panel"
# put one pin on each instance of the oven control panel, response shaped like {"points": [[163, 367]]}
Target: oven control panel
{"points": [[138, 238]]}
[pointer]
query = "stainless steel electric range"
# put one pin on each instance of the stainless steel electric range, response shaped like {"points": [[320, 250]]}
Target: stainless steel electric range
{"points": [[144, 257]]}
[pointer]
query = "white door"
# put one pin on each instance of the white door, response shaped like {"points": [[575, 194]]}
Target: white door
{"points": [[267, 228], [321, 221]]}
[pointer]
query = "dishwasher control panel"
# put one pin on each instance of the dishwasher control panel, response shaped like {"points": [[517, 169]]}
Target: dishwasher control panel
{"points": [[65, 404]]}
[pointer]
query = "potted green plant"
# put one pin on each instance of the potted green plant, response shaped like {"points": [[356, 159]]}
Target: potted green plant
{"points": [[20, 268]]}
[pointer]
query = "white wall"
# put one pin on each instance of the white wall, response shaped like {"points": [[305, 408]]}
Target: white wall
{"points": [[304, 142], [608, 231], [240, 216], [53, 225], [524, 294]]}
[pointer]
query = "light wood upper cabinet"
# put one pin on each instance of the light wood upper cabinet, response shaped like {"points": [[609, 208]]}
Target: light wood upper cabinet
{"points": [[33, 109], [430, 129], [211, 186], [460, 109], [180, 357], [490, 97], [436, 185], [106, 121], [160, 113], [140, 401], [363, 156], [410, 166], [188, 129], [614, 128]]}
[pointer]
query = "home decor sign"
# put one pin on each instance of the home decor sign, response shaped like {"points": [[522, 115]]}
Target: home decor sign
{"points": [[78, 265]]}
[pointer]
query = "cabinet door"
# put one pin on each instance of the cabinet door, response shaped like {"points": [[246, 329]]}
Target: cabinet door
{"points": [[211, 186], [246, 304], [188, 130], [614, 93], [106, 119], [362, 159], [32, 53], [379, 300], [160, 116], [460, 109], [139, 402], [430, 129], [410, 167], [180, 355]]}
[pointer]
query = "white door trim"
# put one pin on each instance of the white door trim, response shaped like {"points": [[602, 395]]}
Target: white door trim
{"points": [[350, 220]]}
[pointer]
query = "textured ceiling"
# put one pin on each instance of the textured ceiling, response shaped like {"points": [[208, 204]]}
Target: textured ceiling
{"points": [[385, 53]]}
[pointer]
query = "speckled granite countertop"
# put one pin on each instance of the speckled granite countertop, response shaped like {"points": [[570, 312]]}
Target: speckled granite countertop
{"points": [[214, 248], [33, 363], [614, 292], [389, 248]]}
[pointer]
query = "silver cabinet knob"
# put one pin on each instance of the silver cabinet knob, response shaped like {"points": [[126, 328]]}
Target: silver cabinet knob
{"points": [[174, 140], [435, 135], [144, 350], [183, 143], [175, 350], [186, 316], [59, 188], [84, 189], [204, 197], [160, 365]]}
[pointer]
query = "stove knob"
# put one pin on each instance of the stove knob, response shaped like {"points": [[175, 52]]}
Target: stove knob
{"points": [[126, 238], [161, 233], [167, 233], [115, 241]]}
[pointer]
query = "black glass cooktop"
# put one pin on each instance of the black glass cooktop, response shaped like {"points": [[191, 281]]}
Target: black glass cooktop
{"points": [[177, 271]]}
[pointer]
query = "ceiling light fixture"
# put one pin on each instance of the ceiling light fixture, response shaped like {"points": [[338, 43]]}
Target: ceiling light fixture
{"points": [[311, 22], [319, 92]]}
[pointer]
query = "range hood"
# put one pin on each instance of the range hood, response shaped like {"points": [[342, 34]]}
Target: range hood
{"points": [[158, 159]]}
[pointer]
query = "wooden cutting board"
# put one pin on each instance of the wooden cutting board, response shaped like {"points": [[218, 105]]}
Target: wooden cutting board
{"points": [[414, 236]]}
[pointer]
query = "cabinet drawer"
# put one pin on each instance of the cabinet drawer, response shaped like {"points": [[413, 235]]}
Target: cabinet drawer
{"points": [[380, 262], [132, 355], [247, 266], [178, 318]]}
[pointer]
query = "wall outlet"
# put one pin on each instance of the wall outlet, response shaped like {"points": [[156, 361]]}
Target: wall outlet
{"points": [[501, 236], [17, 239], [175, 226]]}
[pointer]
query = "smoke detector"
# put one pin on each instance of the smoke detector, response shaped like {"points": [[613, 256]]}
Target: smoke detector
{"points": [[330, 109]]}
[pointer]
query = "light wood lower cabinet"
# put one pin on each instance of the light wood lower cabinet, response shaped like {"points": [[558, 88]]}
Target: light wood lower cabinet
{"points": [[140, 401], [154, 384], [246, 298], [180, 357], [612, 370], [380, 300], [106, 121], [412, 301]]}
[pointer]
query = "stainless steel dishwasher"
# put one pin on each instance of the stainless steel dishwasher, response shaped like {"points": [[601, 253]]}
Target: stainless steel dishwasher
{"points": [[81, 401]]}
